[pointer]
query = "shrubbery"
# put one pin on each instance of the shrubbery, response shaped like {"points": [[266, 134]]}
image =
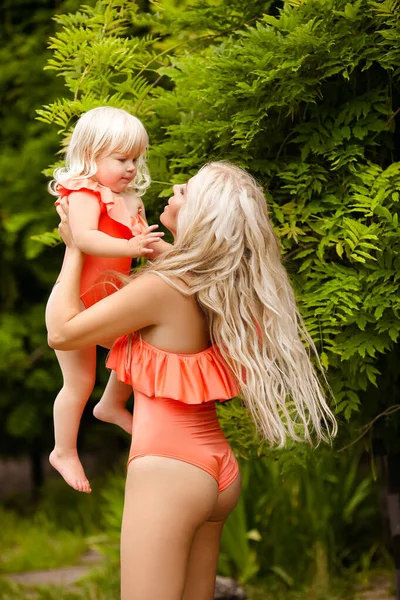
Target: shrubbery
{"points": [[306, 97]]}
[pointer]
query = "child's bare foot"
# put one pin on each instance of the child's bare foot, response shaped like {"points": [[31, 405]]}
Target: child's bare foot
{"points": [[69, 466], [116, 414]]}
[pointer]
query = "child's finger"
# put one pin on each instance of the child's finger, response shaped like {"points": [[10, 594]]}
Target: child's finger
{"points": [[154, 234], [150, 228], [152, 240]]}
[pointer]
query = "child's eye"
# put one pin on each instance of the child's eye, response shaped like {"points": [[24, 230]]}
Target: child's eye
{"points": [[134, 160], [182, 190]]}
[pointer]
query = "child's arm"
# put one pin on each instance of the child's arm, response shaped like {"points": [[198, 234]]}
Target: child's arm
{"points": [[84, 214]]}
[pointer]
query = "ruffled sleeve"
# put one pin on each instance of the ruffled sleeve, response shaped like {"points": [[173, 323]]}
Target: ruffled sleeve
{"points": [[189, 378], [112, 203]]}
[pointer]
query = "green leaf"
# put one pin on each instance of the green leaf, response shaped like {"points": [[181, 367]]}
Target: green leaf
{"points": [[49, 238]]}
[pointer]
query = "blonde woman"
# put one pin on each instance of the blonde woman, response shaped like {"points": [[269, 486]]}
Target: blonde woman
{"points": [[214, 316]]}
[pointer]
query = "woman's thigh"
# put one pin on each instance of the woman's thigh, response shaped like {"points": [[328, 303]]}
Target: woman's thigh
{"points": [[203, 561], [166, 502]]}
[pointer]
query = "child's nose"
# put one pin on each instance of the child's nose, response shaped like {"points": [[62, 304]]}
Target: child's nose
{"points": [[131, 167]]}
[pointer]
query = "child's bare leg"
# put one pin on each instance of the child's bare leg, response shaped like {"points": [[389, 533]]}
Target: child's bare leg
{"points": [[112, 405], [79, 371]]}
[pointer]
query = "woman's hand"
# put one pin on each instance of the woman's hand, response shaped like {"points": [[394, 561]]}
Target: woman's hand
{"points": [[64, 228]]}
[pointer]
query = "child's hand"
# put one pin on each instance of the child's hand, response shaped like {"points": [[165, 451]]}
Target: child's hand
{"points": [[138, 245]]}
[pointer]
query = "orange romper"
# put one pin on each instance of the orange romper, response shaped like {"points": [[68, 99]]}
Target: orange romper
{"points": [[115, 221], [174, 412]]}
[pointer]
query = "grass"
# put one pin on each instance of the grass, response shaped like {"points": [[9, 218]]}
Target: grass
{"points": [[100, 585], [54, 532], [105, 586], [273, 591], [34, 544]]}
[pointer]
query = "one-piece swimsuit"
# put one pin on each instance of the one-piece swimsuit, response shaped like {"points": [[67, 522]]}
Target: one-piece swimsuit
{"points": [[175, 404]]}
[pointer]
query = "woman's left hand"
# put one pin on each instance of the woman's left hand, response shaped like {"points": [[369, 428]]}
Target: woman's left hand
{"points": [[64, 228]]}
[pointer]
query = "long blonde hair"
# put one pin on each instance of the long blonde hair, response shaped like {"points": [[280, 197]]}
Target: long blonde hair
{"points": [[227, 252], [104, 129]]}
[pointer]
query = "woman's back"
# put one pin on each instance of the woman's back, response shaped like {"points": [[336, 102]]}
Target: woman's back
{"points": [[182, 326]]}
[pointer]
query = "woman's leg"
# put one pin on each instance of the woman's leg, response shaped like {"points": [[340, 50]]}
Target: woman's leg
{"points": [[166, 502], [79, 371], [112, 405], [203, 561]]}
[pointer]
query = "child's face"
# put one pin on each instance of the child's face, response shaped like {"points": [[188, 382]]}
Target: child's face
{"points": [[170, 214], [116, 170]]}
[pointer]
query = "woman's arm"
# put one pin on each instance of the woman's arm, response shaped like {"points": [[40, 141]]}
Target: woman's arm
{"points": [[137, 305], [84, 214]]}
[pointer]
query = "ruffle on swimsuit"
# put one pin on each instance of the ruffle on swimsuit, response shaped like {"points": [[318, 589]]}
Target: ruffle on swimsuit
{"points": [[112, 203], [188, 378]]}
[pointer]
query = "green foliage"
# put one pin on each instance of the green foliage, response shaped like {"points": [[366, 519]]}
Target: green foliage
{"points": [[37, 544], [242, 437], [304, 96], [236, 557], [302, 99], [303, 515], [69, 511], [29, 372], [50, 238], [102, 585]]}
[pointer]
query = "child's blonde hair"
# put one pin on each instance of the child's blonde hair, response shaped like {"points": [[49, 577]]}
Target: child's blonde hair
{"points": [[100, 130]]}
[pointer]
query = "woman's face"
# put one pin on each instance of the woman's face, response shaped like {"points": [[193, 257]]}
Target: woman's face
{"points": [[169, 216]]}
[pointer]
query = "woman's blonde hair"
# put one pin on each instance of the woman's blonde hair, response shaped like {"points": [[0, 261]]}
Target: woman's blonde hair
{"points": [[104, 130], [227, 252]]}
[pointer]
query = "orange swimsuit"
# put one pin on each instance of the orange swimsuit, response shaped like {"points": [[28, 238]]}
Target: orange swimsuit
{"points": [[174, 412], [115, 221]]}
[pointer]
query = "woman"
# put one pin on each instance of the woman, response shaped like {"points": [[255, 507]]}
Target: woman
{"points": [[214, 315]]}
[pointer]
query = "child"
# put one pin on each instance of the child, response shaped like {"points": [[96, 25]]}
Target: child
{"points": [[104, 177]]}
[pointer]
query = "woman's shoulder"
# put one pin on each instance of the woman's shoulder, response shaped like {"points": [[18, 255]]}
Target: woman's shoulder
{"points": [[165, 292], [152, 280], [172, 284]]}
